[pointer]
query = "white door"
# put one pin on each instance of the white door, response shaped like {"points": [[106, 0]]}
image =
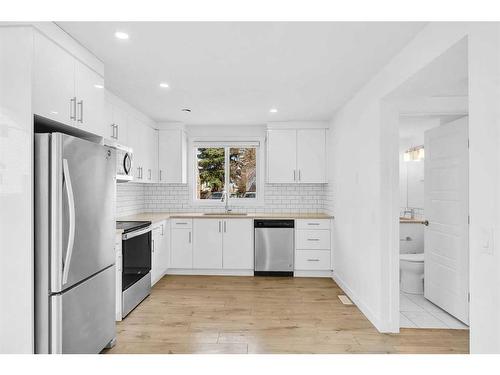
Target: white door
{"points": [[311, 155], [446, 208], [181, 252], [207, 244], [89, 92], [281, 156], [238, 244], [53, 82]]}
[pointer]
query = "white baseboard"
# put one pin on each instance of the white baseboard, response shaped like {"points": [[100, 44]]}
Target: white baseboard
{"points": [[367, 312], [208, 272], [326, 273]]}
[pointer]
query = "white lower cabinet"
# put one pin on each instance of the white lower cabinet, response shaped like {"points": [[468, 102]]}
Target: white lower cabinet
{"points": [[160, 252], [238, 244], [207, 244], [181, 255], [217, 244], [312, 245]]}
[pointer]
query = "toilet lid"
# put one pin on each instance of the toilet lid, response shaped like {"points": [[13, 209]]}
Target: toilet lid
{"points": [[412, 257]]}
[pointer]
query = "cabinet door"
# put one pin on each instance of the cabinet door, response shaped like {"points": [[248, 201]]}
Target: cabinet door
{"points": [[156, 272], [238, 244], [311, 155], [281, 156], [181, 255], [164, 249], [53, 82], [135, 130], [152, 155], [89, 88], [207, 244], [172, 156]]}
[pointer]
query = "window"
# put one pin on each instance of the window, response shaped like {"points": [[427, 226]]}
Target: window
{"points": [[231, 168]]}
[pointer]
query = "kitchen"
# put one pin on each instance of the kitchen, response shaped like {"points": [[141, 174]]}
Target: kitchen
{"points": [[213, 212]]}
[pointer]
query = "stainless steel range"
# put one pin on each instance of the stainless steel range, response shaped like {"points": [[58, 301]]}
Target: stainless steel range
{"points": [[136, 267]]}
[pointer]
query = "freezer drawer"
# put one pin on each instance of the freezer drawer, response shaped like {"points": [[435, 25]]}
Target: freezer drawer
{"points": [[83, 318]]}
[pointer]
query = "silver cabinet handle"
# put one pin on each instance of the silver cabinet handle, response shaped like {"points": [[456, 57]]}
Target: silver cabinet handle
{"points": [[313, 239], [219, 226], [152, 246], [112, 131], [180, 223], [116, 127], [72, 108], [189, 236], [160, 174], [299, 175], [312, 223], [80, 103], [225, 226], [162, 230], [313, 260], [294, 175], [138, 172], [149, 170], [71, 229]]}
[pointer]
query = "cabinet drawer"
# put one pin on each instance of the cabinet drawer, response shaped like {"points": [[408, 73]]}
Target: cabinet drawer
{"points": [[312, 260], [182, 223], [313, 239], [312, 224]]}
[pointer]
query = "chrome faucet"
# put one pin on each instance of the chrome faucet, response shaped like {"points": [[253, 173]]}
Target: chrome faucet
{"points": [[225, 199]]}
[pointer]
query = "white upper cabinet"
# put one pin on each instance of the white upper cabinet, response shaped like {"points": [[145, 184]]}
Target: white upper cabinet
{"points": [[53, 82], [296, 155], [311, 155], [281, 156], [89, 92], [172, 156], [116, 123], [65, 90], [144, 141]]}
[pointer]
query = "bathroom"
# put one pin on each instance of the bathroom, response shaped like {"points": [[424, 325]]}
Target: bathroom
{"points": [[416, 311]]}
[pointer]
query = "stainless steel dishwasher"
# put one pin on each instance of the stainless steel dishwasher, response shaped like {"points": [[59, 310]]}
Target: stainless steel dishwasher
{"points": [[274, 247]]}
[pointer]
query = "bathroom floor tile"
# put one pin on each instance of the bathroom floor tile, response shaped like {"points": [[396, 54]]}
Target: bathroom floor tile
{"points": [[449, 320], [421, 301], [423, 319], [406, 304], [404, 322]]}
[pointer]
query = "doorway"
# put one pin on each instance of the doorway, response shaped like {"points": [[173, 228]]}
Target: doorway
{"points": [[430, 258]]}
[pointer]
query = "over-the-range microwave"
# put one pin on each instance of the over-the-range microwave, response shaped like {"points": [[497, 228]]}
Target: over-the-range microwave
{"points": [[124, 161]]}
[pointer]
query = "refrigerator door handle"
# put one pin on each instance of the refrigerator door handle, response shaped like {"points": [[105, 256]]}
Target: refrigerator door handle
{"points": [[71, 235]]}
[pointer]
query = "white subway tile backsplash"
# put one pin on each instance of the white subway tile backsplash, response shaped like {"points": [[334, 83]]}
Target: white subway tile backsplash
{"points": [[133, 198]]}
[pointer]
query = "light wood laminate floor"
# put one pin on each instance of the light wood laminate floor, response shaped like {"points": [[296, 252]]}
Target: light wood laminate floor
{"points": [[212, 314]]}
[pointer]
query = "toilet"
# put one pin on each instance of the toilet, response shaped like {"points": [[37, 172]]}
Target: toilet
{"points": [[412, 273]]}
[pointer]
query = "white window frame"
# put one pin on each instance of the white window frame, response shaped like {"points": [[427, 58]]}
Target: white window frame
{"points": [[257, 142]]}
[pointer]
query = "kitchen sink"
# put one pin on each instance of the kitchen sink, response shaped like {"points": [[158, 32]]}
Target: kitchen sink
{"points": [[225, 214]]}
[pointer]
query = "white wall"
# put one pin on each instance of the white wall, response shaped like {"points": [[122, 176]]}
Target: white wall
{"points": [[363, 166], [16, 191]]}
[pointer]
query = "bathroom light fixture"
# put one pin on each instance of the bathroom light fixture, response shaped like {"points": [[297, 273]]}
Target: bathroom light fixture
{"points": [[121, 35], [164, 85], [414, 154], [273, 110]]}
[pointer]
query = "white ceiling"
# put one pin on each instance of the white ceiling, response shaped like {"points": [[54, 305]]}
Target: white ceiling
{"points": [[233, 73]]}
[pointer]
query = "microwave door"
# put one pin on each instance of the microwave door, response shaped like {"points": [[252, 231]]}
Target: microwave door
{"points": [[83, 199]]}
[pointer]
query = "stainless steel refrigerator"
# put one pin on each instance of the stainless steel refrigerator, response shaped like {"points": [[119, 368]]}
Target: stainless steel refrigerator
{"points": [[74, 245]]}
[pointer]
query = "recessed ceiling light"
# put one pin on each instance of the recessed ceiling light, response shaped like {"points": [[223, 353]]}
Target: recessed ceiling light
{"points": [[164, 85], [98, 86], [121, 35], [185, 110], [54, 112], [273, 110]]}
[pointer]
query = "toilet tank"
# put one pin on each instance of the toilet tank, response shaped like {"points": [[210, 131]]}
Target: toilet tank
{"points": [[411, 238]]}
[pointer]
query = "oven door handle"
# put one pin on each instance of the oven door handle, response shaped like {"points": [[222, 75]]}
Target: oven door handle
{"points": [[130, 235]]}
